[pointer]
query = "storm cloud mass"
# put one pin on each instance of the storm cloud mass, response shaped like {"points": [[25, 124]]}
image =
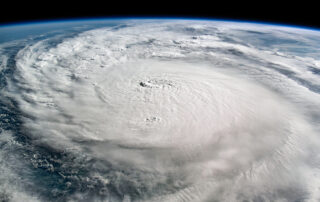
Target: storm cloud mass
{"points": [[161, 110]]}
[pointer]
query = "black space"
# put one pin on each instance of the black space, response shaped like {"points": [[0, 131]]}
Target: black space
{"points": [[300, 13]]}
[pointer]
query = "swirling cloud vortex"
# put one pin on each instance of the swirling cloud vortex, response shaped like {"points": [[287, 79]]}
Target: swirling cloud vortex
{"points": [[172, 111]]}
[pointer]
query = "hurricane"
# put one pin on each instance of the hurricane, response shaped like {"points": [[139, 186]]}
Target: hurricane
{"points": [[161, 110]]}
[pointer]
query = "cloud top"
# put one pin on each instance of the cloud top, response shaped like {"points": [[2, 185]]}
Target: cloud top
{"points": [[170, 111]]}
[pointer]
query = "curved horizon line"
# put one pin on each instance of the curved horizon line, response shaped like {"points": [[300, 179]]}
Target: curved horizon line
{"points": [[108, 18]]}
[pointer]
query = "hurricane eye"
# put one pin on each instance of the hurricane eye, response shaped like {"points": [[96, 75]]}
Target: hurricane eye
{"points": [[159, 110]]}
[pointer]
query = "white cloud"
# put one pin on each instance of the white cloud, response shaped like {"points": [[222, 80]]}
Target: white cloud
{"points": [[160, 102]]}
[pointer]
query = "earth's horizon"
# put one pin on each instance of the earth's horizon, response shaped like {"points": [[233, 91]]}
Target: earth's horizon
{"points": [[159, 109]]}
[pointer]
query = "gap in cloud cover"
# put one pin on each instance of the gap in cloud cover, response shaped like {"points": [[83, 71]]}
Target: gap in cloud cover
{"points": [[185, 111]]}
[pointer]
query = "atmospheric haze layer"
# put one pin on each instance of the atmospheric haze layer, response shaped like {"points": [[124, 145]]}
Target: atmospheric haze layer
{"points": [[160, 110]]}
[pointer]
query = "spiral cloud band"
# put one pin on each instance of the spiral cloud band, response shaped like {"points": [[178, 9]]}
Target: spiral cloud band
{"points": [[160, 110]]}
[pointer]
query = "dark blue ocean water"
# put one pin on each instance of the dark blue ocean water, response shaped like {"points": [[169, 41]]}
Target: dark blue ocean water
{"points": [[51, 171], [55, 168]]}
